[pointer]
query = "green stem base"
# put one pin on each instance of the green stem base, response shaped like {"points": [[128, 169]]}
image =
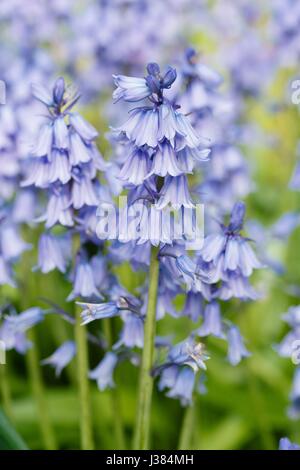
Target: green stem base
{"points": [[142, 429]]}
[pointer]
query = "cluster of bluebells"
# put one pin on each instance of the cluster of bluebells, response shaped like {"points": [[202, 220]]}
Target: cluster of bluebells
{"points": [[227, 177], [160, 148], [64, 163]]}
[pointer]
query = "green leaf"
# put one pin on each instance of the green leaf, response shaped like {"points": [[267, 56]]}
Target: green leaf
{"points": [[9, 438]]}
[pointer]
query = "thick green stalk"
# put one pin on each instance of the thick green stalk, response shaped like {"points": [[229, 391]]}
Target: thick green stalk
{"points": [[114, 394], [33, 365], [86, 432], [187, 428], [5, 391], [142, 429]]}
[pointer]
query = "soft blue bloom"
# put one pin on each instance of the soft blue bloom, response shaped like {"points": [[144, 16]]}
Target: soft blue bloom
{"points": [[212, 322], [193, 307], [238, 254], [236, 348], [132, 334], [286, 444], [130, 88], [103, 373], [52, 253], [14, 327], [84, 284], [61, 357], [183, 386], [93, 312]]}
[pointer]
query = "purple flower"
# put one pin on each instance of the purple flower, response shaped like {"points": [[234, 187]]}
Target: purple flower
{"points": [[236, 348], [132, 334], [14, 327], [84, 283], [93, 312], [52, 253], [183, 386], [61, 357], [103, 373], [286, 444], [212, 323]]}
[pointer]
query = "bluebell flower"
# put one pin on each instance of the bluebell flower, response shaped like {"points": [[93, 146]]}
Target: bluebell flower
{"points": [[14, 327], [84, 284], [25, 320], [286, 444], [230, 248], [52, 253], [193, 307], [64, 158], [103, 373], [61, 357], [93, 312], [161, 143], [132, 334], [13, 339], [212, 322], [236, 348], [178, 373], [130, 88], [183, 386]]}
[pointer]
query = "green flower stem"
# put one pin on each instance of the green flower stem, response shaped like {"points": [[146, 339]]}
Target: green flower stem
{"points": [[187, 428], [33, 365], [142, 429], [5, 391], [115, 399], [87, 442]]}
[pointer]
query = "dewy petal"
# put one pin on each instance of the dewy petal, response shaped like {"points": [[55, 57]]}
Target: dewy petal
{"points": [[61, 134], [82, 127]]}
